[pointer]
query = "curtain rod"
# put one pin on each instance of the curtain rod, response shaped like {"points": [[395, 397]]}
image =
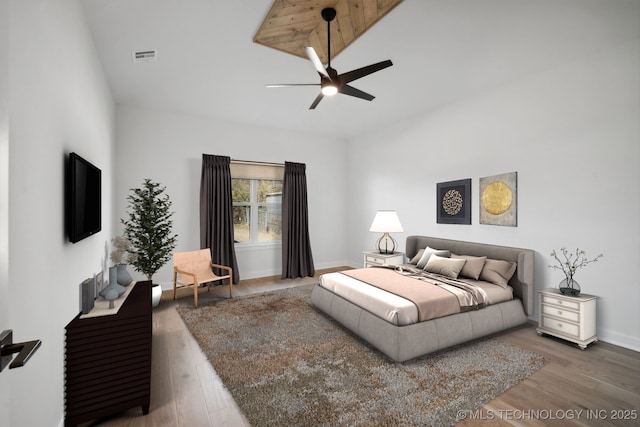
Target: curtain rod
{"points": [[250, 162]]}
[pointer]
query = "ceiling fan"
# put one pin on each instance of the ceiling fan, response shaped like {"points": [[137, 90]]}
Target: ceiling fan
{"points": [[330, 81]]}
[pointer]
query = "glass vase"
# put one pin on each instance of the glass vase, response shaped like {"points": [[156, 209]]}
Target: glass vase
{"points": [[569, 287]]}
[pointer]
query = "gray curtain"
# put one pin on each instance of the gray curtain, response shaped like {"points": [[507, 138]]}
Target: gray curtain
{"points": [[216, 212], [297, 260]]}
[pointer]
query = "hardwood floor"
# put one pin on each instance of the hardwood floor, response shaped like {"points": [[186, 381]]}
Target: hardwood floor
{"points": [[599, 386], [576, 387]]}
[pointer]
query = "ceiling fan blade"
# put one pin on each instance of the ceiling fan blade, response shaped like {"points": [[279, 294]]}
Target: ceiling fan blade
{"points": [[316, 101], [313, 56], [352, 91], [350, 76], [291, 84]]}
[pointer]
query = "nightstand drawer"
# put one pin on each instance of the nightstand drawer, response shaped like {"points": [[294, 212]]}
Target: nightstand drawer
{"points": [[550, 299], [562, 313], [560, 326], [375, 260]]}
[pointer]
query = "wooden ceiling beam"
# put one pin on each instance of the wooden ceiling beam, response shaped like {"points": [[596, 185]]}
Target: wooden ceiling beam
{"points": [[291, 25]]}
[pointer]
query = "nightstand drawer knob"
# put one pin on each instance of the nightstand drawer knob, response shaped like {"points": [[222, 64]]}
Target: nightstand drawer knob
{"points": [[559, 325], [559, 313], [559, 302]]}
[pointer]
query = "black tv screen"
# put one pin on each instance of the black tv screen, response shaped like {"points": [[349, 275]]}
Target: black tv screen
{"points": [[85, 196]]}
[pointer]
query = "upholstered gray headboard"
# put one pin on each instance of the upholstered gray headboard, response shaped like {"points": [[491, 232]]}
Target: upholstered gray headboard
{"points": [[522, 281]]}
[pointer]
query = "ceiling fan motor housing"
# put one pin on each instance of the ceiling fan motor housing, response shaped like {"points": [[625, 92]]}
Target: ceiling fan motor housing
{"points": [[328, 14]]}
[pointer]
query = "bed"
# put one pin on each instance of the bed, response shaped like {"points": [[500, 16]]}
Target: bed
{"points": [[400, 328]]}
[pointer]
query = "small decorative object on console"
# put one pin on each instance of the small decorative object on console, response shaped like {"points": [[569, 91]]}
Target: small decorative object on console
{"points": [[113, 290], [122, 276], [569, 264], [121, 255], [87, 294]]}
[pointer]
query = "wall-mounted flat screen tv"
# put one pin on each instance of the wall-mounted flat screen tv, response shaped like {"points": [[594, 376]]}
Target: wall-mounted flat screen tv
{"points": [[84, 198]]}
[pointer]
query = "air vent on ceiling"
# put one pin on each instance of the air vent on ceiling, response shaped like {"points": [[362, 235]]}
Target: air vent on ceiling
{"points": [[145, 56]]}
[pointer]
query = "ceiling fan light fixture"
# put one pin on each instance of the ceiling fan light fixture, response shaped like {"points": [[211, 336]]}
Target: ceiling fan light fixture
{"points": [[329, 90]]}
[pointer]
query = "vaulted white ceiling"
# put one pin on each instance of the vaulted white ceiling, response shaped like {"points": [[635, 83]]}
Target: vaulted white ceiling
{"points": [[442, 50]]}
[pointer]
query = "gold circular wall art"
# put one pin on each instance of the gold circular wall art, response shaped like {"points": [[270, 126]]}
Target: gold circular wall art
{"points": [[497, 197], [452, 202]]}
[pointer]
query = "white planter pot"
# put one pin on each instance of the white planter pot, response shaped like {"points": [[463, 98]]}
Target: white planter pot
{"points": [[156, 295]]}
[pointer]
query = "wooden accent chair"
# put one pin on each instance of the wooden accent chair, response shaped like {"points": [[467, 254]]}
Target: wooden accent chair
{"points": [[193, 268]]}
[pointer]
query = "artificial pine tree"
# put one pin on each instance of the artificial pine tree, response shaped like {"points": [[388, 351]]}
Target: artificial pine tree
{"points": [[149, 227]]}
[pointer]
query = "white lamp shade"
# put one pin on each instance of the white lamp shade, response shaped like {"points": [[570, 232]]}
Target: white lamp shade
{"points": [[386, 222]]}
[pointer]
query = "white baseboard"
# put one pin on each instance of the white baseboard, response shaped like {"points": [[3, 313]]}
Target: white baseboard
{"points": [[621, 340]]}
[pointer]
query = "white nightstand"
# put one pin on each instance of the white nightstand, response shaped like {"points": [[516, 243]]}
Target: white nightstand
{"points": [[569, 318], [373, 258]]}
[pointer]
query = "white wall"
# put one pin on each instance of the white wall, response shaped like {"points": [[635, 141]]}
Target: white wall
{"points": [[58, 102], [168, 148], [572, 134], [4, 182]]}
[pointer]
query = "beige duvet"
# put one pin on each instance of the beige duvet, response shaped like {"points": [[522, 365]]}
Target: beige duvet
{"points": [[403, 300]]}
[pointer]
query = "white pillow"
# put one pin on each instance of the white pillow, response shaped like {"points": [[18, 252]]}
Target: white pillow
{"points": [[449, 267], [430, 251]]}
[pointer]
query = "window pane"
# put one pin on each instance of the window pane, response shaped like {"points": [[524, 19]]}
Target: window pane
{"points": [[257, 206], [269, 210], [269, 222], [268, 189], [241, 224], [241, 190]]}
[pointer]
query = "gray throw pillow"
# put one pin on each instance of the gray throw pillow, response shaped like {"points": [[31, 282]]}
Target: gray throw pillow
{"points": [[498, 271], [417, 257], [473, 265]]}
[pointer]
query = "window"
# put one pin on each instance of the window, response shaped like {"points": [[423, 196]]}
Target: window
{"points": [[257, 210]]}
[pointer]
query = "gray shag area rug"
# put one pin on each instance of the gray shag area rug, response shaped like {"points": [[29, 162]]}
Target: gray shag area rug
{"points": [[286, 363]]}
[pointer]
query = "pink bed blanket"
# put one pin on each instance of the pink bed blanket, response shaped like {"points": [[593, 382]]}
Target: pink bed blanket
{"points": [[433, 295]]}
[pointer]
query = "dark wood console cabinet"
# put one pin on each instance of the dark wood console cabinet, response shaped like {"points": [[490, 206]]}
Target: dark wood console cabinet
{"points": [[108, 360]]}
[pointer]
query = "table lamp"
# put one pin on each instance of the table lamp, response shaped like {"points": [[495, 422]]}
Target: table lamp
{"points": [[386, 222]]}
